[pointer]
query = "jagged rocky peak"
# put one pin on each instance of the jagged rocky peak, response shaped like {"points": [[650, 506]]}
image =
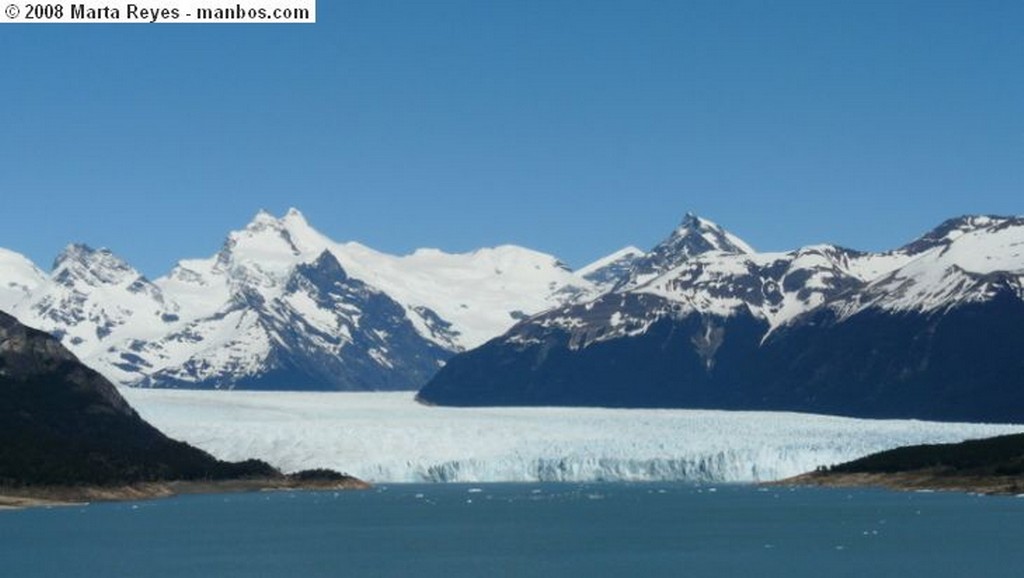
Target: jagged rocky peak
{"points": [[698, 236], [323, 272], [695, 236], [79, 262]]}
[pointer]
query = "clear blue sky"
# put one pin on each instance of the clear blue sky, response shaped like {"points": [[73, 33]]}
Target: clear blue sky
{"points": [[570, 127]]}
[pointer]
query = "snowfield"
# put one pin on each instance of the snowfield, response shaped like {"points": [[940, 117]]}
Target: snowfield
{"points": [[388, 437]]}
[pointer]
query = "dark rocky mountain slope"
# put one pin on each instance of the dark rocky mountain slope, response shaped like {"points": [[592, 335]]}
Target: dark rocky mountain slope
{"points": [[62, 423]]}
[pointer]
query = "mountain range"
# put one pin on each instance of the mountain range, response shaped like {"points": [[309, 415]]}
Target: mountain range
{"points": [[281, 306], [929, 329]]}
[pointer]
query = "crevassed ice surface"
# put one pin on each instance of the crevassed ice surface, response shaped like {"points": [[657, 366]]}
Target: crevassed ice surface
{"points": [[388, 437]]}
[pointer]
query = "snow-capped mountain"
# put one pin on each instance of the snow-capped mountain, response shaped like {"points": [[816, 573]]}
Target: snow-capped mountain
{"points": [[322, 330], [694, 236], [706, 322], [283, 306], [455, 300], [93, 298]]}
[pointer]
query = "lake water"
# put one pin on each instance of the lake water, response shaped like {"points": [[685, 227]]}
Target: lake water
{"points": [[494, 530]]}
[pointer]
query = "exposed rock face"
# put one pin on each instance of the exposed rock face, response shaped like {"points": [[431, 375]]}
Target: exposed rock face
{"points": [[27, 354]]}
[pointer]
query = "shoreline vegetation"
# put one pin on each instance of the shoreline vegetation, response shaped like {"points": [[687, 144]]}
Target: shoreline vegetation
{"points": [[13, 498], [993, 466]]}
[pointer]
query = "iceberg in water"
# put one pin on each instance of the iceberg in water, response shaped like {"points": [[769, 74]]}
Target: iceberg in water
{"points": [[388, 437]]}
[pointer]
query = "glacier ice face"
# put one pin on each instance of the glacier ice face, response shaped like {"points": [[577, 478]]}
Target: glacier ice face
{"points": [[388, 437]]}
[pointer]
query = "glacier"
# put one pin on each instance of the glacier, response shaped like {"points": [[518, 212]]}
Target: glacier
{"points": [[390, 438]]}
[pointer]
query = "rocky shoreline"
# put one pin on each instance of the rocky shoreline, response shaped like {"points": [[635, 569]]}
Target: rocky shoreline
{"points": [[911, 481], [55, 496], [984, 466]]}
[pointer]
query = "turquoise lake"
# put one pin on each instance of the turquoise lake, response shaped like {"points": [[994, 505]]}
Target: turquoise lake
{"points": [[525, 530]]}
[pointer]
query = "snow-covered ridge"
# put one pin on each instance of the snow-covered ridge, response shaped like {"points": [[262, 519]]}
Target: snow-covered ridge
{"points": [[387, 437], [703, 269], [966, 260]]}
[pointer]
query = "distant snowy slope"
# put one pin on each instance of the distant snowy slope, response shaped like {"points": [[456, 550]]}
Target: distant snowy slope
{"points": [[609, 271], [19, 279], [481, 293], [386, 437]]}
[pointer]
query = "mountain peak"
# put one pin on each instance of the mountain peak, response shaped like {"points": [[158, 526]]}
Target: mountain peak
{"points": [[266, 241], [263, 216], [707, 236], [265, 219], [74, 252], [694, 237], [693, 221], [80, 261]]}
